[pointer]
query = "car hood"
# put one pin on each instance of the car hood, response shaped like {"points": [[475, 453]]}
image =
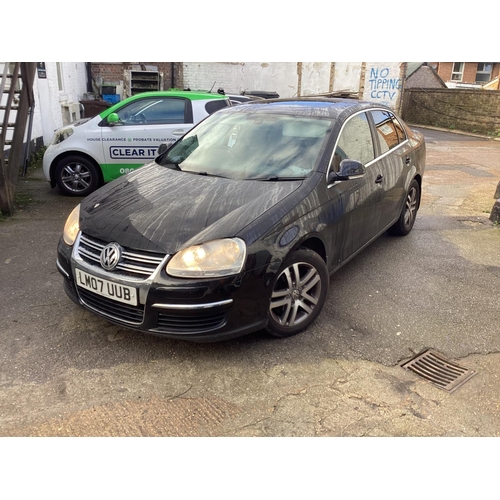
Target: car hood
{"points": [[162, 210]]}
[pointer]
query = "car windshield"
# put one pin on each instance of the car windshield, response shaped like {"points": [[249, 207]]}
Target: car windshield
{"points": [[251, 146]]}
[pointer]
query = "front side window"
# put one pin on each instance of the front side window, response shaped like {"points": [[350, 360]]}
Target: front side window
{"points": [[355, 142], [457, 71], [483, 74], [387, 131], [153, 111]]}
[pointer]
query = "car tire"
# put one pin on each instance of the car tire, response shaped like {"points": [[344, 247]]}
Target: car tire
{"points": [[77, 176], [298, 293], [409, 213]]}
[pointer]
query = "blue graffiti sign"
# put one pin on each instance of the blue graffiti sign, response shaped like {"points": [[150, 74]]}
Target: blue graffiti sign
{"points": [[382, 86]]}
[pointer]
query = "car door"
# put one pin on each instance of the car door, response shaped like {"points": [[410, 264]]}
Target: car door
{"points": [[354, 202], [392, 156], [143, 125]]}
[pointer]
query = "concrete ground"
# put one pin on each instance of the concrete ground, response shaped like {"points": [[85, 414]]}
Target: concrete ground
{"points": [[65, 372]]}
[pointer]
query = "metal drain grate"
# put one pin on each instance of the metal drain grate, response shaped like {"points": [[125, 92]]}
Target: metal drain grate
{"points": [[437, 370]]}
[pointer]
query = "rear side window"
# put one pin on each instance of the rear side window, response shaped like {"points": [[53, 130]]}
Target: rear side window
{"points": [[399, 129], [215, 105], [355, 142], [387, 131]]}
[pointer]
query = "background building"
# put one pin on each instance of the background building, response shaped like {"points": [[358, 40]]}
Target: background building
{"points": [[467, 74]]}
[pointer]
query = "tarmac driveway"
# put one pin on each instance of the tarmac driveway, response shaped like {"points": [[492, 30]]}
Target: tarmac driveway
{"points": [[65, 372]]}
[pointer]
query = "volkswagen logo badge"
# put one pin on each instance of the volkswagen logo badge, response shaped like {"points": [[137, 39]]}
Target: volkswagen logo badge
{"points": [[110, 256]]}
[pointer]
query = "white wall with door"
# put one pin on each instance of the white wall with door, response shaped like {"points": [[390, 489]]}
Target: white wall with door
{"points": [[58, 89]]}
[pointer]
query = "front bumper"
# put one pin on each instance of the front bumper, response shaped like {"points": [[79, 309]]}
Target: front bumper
{"points": [[48, 157], [197, 310]]}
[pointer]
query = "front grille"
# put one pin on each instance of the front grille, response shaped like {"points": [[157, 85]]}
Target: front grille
{"points": [[117, 310], [190, 323], [134, 264]]}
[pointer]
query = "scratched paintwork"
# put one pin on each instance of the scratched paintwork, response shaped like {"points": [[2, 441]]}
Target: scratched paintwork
{"points": [[163, 210]]}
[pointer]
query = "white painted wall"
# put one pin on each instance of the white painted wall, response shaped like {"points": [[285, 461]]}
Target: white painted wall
{"points": [[236, 77], [315, 78], [52, 105], [347, 76], [382, 79]]}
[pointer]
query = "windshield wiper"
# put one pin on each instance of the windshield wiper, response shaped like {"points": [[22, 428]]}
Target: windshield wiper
{"points": [[211, 175], [275, 178]]}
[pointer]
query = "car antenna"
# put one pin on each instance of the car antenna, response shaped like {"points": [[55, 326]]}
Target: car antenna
{"points": [[212, 87]]}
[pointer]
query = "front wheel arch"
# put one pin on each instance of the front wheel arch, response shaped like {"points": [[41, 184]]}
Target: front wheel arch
{"points": [[89, 164], [57, 159]]}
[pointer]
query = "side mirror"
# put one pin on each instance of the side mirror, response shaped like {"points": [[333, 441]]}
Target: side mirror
{"points": [[348, 169], [161, 149], [113, 119]]}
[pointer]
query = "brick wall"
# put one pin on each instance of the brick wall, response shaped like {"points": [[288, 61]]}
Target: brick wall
{"points": [[470, 110], [107, 72]]}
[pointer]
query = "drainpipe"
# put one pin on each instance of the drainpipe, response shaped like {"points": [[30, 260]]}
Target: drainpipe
{"points": [[172, 79], [26, 154], [89, 77]]}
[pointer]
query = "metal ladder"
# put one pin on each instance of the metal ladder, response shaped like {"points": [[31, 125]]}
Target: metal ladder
{"points": [[16, 103]]}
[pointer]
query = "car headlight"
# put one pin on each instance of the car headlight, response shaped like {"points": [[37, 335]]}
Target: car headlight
{"points": [[62, 135], [72, 226], [212, 259]]}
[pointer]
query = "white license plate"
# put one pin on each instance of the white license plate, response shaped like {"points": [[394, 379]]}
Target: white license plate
{"points": [[109, 289]]}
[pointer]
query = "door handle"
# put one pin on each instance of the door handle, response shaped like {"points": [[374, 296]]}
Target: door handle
{"points": [[379, 179], [408, 160], [178, 132]]}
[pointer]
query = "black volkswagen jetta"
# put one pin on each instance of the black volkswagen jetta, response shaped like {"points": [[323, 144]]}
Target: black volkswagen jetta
{"points": [[239, 225]]}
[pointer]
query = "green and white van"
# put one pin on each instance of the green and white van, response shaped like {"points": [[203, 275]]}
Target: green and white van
{"points": [[92, 151]]}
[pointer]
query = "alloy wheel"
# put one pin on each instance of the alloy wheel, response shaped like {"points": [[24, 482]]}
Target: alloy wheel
{"points": [[295, 294], [76, 177], [411, 207]]}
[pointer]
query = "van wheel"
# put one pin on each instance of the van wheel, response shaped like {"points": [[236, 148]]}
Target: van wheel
{"points": [[299, 293], [77, 176]]}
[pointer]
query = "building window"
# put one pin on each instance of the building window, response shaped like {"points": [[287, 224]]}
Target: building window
{"points": [[60, 76], [457, 71], [483, 74]]}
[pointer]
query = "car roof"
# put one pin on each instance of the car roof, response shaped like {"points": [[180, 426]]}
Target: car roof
{"points": [[327, 107]]}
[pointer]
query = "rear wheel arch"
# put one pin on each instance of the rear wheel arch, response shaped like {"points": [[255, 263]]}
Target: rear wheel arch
{"points": [[406, 219], [418, 178]]}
